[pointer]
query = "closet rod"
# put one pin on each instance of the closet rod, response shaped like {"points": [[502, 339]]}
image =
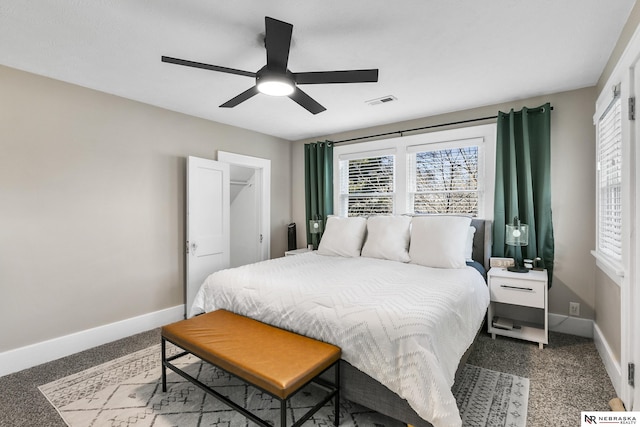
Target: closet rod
{"points": [[479, 119]]}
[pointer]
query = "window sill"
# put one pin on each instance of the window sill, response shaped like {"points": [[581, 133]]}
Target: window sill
{"points": [[614, 270]]}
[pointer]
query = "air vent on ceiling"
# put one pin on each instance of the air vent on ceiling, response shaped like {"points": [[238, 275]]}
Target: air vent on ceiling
{"points": [[383, 100]]}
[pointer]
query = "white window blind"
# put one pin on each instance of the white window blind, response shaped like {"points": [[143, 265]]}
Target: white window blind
{"points": [[445, 181], [367, 185], [610, 181]]}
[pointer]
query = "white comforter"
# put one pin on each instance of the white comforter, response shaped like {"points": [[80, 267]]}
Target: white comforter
{"points": [[405, 325]]}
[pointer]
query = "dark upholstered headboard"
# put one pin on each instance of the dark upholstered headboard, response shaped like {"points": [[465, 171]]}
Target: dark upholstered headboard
{"points": [[482, 241]]}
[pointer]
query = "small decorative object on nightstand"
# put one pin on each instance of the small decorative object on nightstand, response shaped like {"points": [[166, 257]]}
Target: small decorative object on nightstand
{"points": [[510, 292]]}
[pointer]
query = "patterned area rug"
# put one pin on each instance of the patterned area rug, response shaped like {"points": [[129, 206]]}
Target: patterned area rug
{"points": [[128, 392], [490, 398]]}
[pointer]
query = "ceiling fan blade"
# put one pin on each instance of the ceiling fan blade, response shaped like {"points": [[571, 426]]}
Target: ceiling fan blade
{"points": [[207, 66], [240, 98], [306, 102], [277, 43], [347, 76]]}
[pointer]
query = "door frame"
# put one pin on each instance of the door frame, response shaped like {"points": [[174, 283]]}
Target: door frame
{"points": [[263, 175], [633, 292]]}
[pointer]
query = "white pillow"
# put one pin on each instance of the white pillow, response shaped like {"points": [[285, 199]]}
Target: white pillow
{"points": [[388, 238], [439, 240], [468, 251], [343, 236]]}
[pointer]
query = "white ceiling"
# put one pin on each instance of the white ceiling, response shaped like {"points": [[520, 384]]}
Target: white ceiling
{"points": [[435, 56]]}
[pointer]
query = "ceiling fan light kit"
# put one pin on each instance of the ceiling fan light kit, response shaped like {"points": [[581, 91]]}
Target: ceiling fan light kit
{"points": [[275, 79], [274, 84]]}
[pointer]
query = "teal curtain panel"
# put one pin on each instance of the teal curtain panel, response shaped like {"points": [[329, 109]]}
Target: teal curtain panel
{"points": [[523, 182], [318, 177]]}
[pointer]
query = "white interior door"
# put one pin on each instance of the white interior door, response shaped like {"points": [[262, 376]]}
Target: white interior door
{"points": [[207, 223]]}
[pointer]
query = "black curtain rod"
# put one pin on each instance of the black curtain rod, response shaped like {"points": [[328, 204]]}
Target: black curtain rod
{"points": [[479, 119]]}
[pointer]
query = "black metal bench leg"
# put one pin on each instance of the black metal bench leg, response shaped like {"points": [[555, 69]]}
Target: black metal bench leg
{"points": [[164, 365], [283, 413], [336, 397]]}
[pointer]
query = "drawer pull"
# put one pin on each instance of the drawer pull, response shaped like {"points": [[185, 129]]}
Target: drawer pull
{"points": [[517, 288]]}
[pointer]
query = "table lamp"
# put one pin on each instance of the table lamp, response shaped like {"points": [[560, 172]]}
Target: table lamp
{"points": [[517, 234], [315, 229]]}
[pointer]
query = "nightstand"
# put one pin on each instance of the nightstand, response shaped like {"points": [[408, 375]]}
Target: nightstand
{"points": [[296, 251], [518, 307]]}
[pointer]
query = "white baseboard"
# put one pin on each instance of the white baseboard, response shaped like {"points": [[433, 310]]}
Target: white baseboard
{"points": [[610, 363], [571, 325], [46, 351]]}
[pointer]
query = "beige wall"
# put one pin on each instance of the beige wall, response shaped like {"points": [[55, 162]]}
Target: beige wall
{"points": [[608, 311], [92, 204], [572, 181]]}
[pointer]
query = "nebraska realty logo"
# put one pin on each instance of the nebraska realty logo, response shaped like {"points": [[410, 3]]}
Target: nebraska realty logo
{"points": [[610, 418]]}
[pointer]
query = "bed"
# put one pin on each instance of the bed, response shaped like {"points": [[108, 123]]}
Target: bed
{"points": [[405, 327]]}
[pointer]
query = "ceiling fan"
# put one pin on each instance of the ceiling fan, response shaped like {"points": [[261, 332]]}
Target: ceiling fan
{"points": [[275, 78]]}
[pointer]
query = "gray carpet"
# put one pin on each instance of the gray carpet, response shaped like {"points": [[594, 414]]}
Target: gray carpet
{"points": [[565, 378]]}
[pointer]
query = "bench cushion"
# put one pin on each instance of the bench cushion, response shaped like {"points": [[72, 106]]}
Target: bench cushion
{"points": [[273, 359]]}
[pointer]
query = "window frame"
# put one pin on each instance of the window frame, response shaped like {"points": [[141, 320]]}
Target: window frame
{"points": [[614, 268], [484, 135], [414, 150], [344, 179]]}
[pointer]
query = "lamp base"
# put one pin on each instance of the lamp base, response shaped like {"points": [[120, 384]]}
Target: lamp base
{"points": [[518, 269]]}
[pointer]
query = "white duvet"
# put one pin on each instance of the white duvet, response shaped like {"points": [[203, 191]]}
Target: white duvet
{"points": [[405, 325]]}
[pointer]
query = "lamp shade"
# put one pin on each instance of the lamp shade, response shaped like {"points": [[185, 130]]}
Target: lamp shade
{"points": [[315, 226], [517, 234]]}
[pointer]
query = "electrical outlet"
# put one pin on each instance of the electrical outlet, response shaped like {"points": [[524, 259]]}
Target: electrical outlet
{"points": [[574, 309]]}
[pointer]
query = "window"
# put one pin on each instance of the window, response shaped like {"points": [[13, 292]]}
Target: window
{"points": [[444, 181], [446, 172], [367, 186], [610, 182]]}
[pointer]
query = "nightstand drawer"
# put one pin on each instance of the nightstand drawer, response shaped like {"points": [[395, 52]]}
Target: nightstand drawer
{"points": [[506, 290]]}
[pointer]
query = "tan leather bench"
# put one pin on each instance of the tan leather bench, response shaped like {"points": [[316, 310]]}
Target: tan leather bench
{"points": [[276, 361]]}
